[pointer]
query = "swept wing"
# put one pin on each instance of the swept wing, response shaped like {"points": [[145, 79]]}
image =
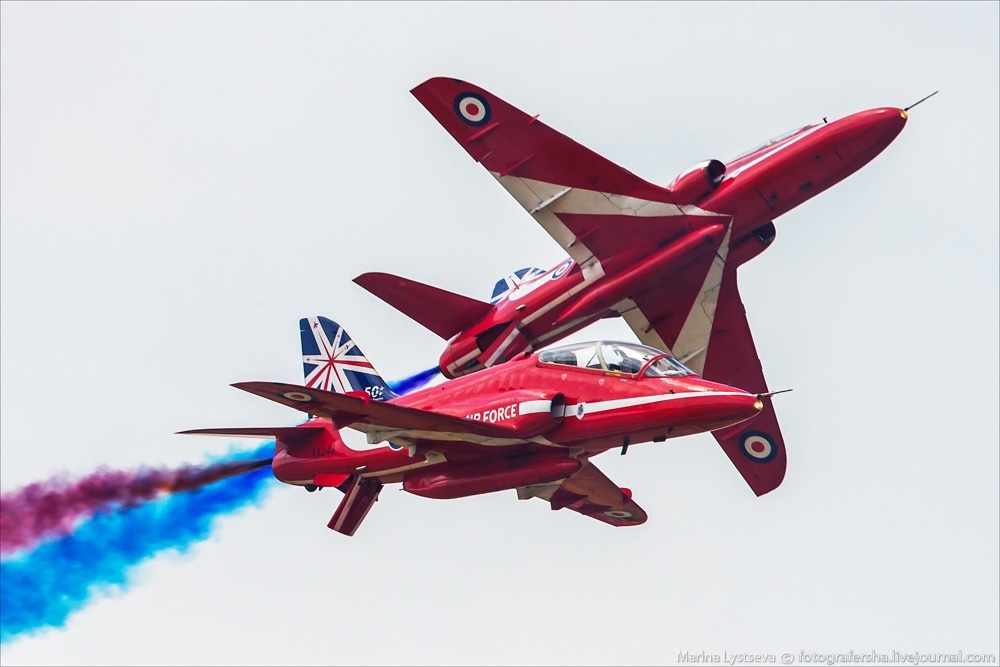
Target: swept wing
{"points": [[382, 420], [596, 210], [604, 216], [590, 492], [709, 332]]}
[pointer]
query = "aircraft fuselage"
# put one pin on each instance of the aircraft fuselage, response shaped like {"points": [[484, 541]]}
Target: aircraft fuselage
{"points": [[755, 189], [560, 413]]}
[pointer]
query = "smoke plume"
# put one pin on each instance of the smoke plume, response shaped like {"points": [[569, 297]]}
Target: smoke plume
{"points": [[67, 554], [414, 382]]}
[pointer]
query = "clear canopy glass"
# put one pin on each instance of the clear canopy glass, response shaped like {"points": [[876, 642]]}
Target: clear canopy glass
{"points": [[771, 142], [626, 358]]}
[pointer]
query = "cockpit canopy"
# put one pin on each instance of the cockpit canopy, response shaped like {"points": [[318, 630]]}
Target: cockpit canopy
{"points": [[771, 142], [625, 358]]}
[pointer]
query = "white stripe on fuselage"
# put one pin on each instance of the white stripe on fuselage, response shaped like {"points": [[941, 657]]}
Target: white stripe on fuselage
{"points": [[503, 346], [533, 407], [620, 403], [591, 273]]}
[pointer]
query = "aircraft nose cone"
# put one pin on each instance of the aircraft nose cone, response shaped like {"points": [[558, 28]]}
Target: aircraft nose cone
{"points": [[888, 121], [871, 131], [748, 406], [727, 408]]}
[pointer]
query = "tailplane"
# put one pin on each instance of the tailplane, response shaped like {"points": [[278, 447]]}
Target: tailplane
{"points": [[331, 361], [445, 313]]}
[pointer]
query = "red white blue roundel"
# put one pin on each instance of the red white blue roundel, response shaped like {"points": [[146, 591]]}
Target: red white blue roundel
{"points": [[758, 446], [298, 396], [472, 109], [562, 269]]}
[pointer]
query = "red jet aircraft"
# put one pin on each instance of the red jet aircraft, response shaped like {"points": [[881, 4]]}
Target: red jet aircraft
{"points": [[531, 424], [664, 259]]}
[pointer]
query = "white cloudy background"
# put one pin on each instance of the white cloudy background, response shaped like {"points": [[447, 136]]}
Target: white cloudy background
{"points": [[182, 182]]}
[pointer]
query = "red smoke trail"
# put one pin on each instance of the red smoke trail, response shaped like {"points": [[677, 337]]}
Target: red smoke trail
{"points": [[49, 509]]}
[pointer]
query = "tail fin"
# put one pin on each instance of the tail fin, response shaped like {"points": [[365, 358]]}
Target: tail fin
{"points": [[359, 496], [333, 362], [443, 312]]}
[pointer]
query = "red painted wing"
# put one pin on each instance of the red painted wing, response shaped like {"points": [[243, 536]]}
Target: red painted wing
{"points": [[755, 447], [675, 316], [345, 410], [505, 139], [589, 492], [592, 207]]}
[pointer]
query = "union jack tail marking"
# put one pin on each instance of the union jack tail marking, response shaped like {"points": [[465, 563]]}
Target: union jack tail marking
{"points": [[507, 285], [332, 361]]}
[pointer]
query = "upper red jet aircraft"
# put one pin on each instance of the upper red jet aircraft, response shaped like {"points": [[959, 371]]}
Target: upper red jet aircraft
{"points": [[664, 259], [531, 424]]}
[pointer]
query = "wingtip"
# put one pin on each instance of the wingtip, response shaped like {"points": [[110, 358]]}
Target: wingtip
{"points": [[251, 387], [425, 84], [435, 83], [366, 278], [775, 482]]}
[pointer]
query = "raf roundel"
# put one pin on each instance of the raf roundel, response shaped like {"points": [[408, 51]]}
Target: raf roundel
{"points": [[562, 269], [758, 446], [298, 396], [472, 109]]}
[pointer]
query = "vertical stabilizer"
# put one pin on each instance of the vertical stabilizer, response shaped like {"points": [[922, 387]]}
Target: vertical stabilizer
{"points": [[333, 362]]}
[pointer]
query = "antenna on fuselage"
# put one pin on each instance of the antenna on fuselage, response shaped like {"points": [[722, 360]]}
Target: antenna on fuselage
{"points": [[922, 100], [766, 394]]}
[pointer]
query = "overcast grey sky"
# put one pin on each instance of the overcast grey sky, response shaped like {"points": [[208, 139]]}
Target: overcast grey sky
{"points": [[182, 182]]}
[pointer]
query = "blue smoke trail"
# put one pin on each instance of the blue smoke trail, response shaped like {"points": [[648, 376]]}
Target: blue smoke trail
{"points": [[414, 382], [42, 588]]}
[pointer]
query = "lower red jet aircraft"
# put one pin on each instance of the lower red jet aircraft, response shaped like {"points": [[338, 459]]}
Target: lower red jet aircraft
{"points": [[531, 424], [664, 259]]}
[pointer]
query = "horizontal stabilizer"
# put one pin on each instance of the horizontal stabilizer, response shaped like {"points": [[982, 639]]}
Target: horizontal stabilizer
{"points": [[290, 435], [352, 410], [443, 312]]}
